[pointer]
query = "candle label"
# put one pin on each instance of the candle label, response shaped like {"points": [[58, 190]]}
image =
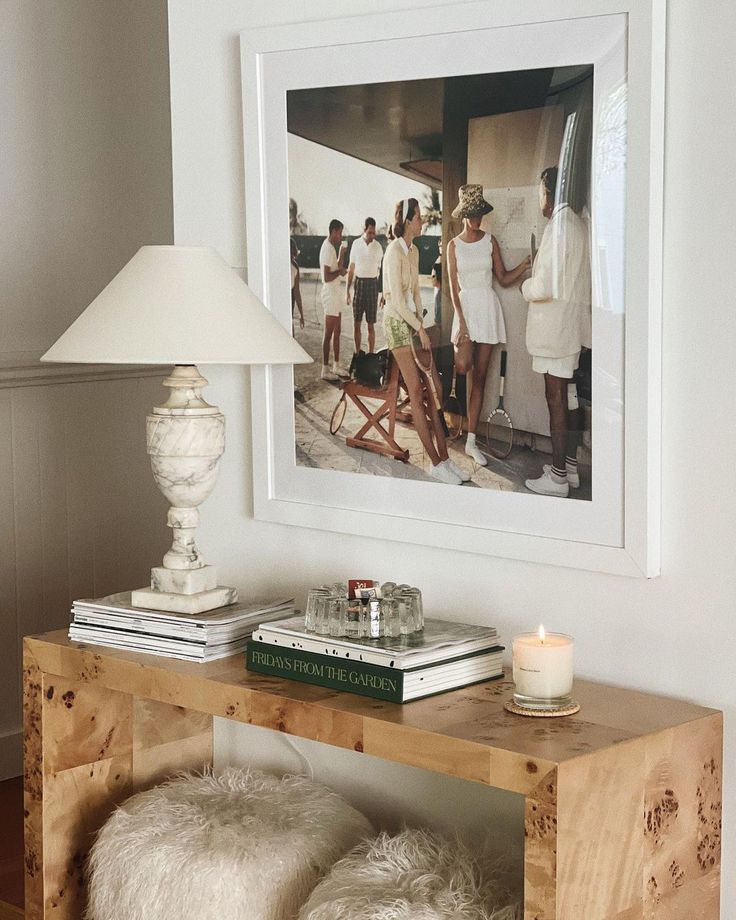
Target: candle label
{"points": [[543, 669]]}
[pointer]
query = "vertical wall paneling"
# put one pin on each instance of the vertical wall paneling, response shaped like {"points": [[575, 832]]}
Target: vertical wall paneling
{"points": [[84, 462], [9, 686], [80, 513], [52, 479], [28, 514], [126, 499]]}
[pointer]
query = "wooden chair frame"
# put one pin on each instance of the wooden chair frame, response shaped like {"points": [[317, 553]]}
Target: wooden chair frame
{"points": [[391, 406]]}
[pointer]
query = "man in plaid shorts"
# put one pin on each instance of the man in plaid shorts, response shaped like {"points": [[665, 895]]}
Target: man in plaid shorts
{"points": [[366, 255]]}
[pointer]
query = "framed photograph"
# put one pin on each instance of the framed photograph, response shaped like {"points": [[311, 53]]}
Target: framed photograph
{"points": [[492, 173]]}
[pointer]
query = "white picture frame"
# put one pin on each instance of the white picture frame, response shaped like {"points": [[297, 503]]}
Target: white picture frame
{"points": [[618, 531]]}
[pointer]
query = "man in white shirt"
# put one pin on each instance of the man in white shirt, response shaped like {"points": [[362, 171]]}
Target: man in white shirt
{"points": [[558, 327], [330, 272], [366, 255]]}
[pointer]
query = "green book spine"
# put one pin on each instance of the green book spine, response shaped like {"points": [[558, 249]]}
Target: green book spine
{"points": [[336, 673]]}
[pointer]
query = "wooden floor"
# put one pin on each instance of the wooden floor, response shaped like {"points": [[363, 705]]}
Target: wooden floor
{"points": [[11, 849]]}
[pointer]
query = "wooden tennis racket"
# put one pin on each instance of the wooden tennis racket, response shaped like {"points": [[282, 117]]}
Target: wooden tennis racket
{"points": [[499, 429], [454, 412], [338, 414], [425, 362]]}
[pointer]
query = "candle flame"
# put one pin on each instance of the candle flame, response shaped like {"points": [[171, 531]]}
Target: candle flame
{"points": [[541, 633]]}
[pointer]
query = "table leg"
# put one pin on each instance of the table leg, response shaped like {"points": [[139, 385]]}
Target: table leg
{"points": [[88, 748], [540, 850]]}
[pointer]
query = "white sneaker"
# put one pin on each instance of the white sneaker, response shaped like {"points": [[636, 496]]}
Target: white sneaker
{"points": [[573, 477], [458, 470], [472, 451], [546, 485], [443, 473], [339, 370], [327, 373]]}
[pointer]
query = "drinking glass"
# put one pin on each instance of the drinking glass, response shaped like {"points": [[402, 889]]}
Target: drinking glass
{"points": [[337, 615], [322, 614], [376, 625], [411, 614], [310, 613], [391, 619], [417, 608], [355, 619]]}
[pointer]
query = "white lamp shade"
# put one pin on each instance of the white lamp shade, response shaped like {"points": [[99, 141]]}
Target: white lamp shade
{"points": [[177, 305]]}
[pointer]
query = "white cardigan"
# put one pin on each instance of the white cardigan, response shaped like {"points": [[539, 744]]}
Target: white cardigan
{"points": [[559, 291], [401, 283]]}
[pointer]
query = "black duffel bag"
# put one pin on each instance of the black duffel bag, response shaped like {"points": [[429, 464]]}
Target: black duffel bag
{"points": [[369, 369]]}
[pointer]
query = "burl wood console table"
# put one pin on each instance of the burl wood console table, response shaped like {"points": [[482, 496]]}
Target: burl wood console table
{"points": [[622, 800]]}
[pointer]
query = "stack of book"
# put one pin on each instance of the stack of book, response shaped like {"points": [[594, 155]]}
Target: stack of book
{"points": [[113, 621], [445, 656]]}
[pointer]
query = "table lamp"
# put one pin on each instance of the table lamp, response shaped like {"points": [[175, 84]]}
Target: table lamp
{"points": [[180, 305]]}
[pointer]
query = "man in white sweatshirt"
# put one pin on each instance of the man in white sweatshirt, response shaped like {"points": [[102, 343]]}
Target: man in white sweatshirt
{"points": [[558, 326]]}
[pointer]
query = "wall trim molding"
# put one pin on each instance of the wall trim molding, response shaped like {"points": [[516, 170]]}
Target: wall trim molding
{"points": [[25, 369]]}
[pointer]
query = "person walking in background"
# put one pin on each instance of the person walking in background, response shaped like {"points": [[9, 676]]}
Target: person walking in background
{"points": [[402, 317], [557, 328], [330, 272], [366, 255], [437, 284], [296, 294], [473, 257]]}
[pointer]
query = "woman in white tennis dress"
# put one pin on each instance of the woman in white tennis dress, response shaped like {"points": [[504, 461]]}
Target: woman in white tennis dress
{"points": [[473, 257], [481, 307]]}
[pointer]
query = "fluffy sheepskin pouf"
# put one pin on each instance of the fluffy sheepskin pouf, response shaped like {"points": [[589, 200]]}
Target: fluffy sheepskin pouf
{"points": [[415, 875], [244, 845]]}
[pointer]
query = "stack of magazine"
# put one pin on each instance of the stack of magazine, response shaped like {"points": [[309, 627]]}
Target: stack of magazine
{"points": [[113, 621], [445, 656]]}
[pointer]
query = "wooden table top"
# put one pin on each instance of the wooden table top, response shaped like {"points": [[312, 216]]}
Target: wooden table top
{"points": [[464, 732]]}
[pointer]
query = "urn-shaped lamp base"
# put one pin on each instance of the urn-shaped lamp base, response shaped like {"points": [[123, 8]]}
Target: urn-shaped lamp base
{"points": [[185, 439]]}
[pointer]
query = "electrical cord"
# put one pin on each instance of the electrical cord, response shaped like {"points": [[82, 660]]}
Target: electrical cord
{"points": [[306, 762]]}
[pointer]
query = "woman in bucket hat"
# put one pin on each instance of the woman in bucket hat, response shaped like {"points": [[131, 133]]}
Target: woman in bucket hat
{"points": [[473, 257]]}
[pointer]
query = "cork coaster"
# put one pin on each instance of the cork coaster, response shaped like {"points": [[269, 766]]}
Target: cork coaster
{"points": [[511, 706]]}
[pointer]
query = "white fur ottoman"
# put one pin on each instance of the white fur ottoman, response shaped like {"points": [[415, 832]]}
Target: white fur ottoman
{"points": [[244, 845], [415, 875]]}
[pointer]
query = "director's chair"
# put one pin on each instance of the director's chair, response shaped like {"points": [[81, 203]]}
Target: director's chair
{"points": [[392, 405]]}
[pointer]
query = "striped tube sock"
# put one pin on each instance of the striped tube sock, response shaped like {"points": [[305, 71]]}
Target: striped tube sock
{"points": [[572, 464], [560, 474]]}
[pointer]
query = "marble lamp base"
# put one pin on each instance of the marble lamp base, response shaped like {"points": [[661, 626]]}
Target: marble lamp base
{"points": [[184, 591], [151, 599], [185, 440]]}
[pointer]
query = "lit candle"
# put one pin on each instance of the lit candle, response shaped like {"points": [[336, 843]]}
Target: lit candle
{"points": [[543, 668]]}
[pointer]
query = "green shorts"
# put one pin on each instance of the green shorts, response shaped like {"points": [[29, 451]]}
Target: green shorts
{"points": [[398, 333]]}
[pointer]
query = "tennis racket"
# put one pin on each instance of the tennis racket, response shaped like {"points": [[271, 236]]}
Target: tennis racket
{"points": [[454, 411], [499, 429], [425, 362], [338, 414]]}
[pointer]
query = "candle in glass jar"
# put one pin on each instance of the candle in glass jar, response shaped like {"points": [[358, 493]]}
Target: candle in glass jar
{"points": [[543, 665]]}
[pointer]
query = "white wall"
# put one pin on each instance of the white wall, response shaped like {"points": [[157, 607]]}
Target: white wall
{"points": [[86, 170], [85, 179], [674, 634]]}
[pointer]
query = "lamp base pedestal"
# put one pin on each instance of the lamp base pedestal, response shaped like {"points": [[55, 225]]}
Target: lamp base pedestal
{"points": [[185, 439], [183, 581], [174, 602]]}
